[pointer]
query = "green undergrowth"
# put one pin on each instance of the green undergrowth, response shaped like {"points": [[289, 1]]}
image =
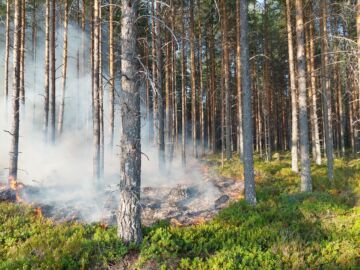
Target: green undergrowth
{"points": [[287, 229]]}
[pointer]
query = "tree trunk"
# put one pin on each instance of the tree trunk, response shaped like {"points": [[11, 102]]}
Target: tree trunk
{"points": [[326, 92], [53, 74], [22, 53], [193, 80], [112, 76], [183, 89], [47, 69], [14, 132], [306, 184], [129, 226], [96, 96], [250, 195], [267, 90], [314, 96], [7, 49], [159, 87], [201, 84], [238, 81], [154, 76], [226, 71], [64, 68], [294, 110]]}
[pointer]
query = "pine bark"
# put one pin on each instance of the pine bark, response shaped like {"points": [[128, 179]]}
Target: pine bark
{"points": [[129, 226], [96, 95], [294, 110], [314, 96], [22, 52], [15, 117], [183, 89], [159, 87], [112, 76], [250, 195], [47, 70], [201, 83], [193, 80], [227, 91], [53, 73], [7, 49], [306, 183], [238, 82], [64, 68], [326, 92]]}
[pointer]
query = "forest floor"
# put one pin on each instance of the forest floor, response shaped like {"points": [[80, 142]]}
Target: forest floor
{"points": [[285, 230]]}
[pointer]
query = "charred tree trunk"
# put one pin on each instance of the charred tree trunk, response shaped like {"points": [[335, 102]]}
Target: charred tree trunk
{"points": [[129, 226], [306, 184]]}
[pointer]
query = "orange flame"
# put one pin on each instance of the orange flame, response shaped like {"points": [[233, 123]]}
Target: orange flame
{"points": [[38, 212], [15, 185]]}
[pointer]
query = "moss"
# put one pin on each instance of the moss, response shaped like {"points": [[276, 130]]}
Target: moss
{"points": [[287, 229]]}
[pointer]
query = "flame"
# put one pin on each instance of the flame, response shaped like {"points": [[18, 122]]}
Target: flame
{"points": [[16, 186], [13, 183], [38, 212]]}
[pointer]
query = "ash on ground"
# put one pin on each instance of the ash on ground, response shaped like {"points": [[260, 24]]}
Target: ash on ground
{"points": [[187, 201]]}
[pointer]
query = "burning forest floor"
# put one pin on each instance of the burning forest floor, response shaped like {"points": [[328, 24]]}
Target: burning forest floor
{"points": [[193, 199]]}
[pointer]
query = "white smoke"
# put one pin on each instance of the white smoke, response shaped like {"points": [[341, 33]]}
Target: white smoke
{"points": [[65, 169]]}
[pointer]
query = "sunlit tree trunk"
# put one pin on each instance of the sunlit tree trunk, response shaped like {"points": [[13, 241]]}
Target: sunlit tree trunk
{"points": [[250, 195], [326, 92], [129, 225], [15, 117], [294, 110], [314, 95], [306, 183], [64, 68], [238, 80]]}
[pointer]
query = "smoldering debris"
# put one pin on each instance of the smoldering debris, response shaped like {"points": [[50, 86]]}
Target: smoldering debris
{"points": [[182, 204]]}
